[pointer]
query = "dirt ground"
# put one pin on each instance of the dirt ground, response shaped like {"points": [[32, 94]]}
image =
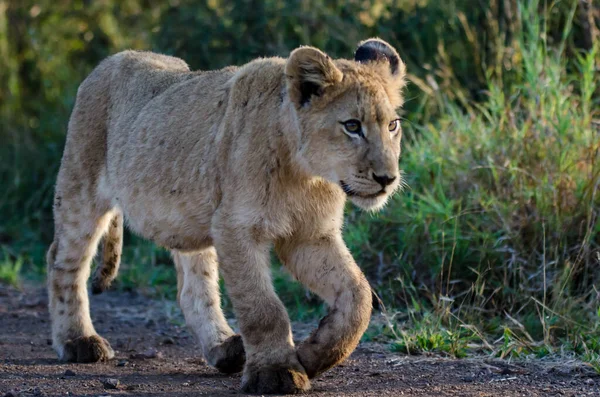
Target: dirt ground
{"points": [[156, 356]]}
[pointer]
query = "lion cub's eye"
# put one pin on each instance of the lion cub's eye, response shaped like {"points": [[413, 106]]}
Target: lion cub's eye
{"points": [[352, 127], [393, 126]]}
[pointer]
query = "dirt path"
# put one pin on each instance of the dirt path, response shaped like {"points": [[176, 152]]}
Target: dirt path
{"points": [[156, 356]]}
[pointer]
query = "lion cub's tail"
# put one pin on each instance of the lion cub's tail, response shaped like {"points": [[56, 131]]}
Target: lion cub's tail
{"points": [[107, 270]]}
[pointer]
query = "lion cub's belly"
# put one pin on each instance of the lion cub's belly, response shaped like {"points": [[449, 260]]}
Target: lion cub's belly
{"points": [[173, 219], [172, 227]]}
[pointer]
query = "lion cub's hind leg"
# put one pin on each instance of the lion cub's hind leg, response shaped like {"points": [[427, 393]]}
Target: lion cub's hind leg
{"points": [[200, 301], [69, 258]]}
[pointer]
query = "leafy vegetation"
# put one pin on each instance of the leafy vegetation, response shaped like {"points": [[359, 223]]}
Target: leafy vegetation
{"points": [[9, 270], [495, 243], [493, 247]]}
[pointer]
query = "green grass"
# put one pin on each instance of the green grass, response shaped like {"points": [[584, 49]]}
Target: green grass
{"points": [[147, 269], [494, 247], [425, 332], [10, 270]]}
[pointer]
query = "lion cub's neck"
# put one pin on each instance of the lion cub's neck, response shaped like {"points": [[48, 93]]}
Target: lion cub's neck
{"points": [[263, 147]]}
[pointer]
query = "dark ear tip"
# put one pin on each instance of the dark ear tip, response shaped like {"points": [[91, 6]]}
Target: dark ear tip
{"points": [[373, 42], [376, 50]]}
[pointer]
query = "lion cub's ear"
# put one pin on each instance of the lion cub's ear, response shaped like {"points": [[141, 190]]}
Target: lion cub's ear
{"points": [[377, 50], [309, 72]]}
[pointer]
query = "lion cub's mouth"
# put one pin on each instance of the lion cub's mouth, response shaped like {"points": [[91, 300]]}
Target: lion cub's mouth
{"points": [[353, 193]]}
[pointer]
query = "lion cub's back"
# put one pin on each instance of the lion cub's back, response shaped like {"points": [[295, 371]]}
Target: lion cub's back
{"points": [[135, 79]]}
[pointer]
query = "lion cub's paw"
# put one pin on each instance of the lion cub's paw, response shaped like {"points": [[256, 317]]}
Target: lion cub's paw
{"points": [[275, 380], [88, 349], [229, 357]]}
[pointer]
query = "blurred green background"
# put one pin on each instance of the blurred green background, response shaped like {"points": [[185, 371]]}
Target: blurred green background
{"points": [[493, 246]]}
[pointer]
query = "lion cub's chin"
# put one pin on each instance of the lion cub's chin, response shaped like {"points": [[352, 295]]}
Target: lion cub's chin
{"points": [[371, 204]]}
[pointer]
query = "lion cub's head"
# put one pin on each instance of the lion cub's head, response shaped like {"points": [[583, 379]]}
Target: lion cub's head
{"points": [[349, 131]]}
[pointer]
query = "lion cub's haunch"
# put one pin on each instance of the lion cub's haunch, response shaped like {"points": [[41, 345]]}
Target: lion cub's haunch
{"points": [[228, 164]]}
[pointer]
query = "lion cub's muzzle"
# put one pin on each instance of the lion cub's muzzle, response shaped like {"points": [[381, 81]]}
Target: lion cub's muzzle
{"points": [[371, 193], [351, 192], [384, 180], [362, 189]]}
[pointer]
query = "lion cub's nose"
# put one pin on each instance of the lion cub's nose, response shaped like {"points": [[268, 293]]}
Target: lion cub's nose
{"points": [[384, 180]]}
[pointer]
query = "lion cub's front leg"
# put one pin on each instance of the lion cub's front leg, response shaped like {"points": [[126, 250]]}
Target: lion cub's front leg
{"points": [[272, 366], [327, 268]]}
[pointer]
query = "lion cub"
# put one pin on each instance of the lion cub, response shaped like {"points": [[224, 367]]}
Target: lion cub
{"points": [[219, 167]]}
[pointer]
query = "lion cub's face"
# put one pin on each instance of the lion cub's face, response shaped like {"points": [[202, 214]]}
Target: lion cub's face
{"points": [[346, 110]]}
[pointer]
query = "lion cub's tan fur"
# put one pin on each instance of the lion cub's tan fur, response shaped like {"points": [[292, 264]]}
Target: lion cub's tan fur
{"points": [[228, 163]]}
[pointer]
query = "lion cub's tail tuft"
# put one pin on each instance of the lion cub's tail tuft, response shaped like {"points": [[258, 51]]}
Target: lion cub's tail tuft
{"points": [[107, 270]]}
